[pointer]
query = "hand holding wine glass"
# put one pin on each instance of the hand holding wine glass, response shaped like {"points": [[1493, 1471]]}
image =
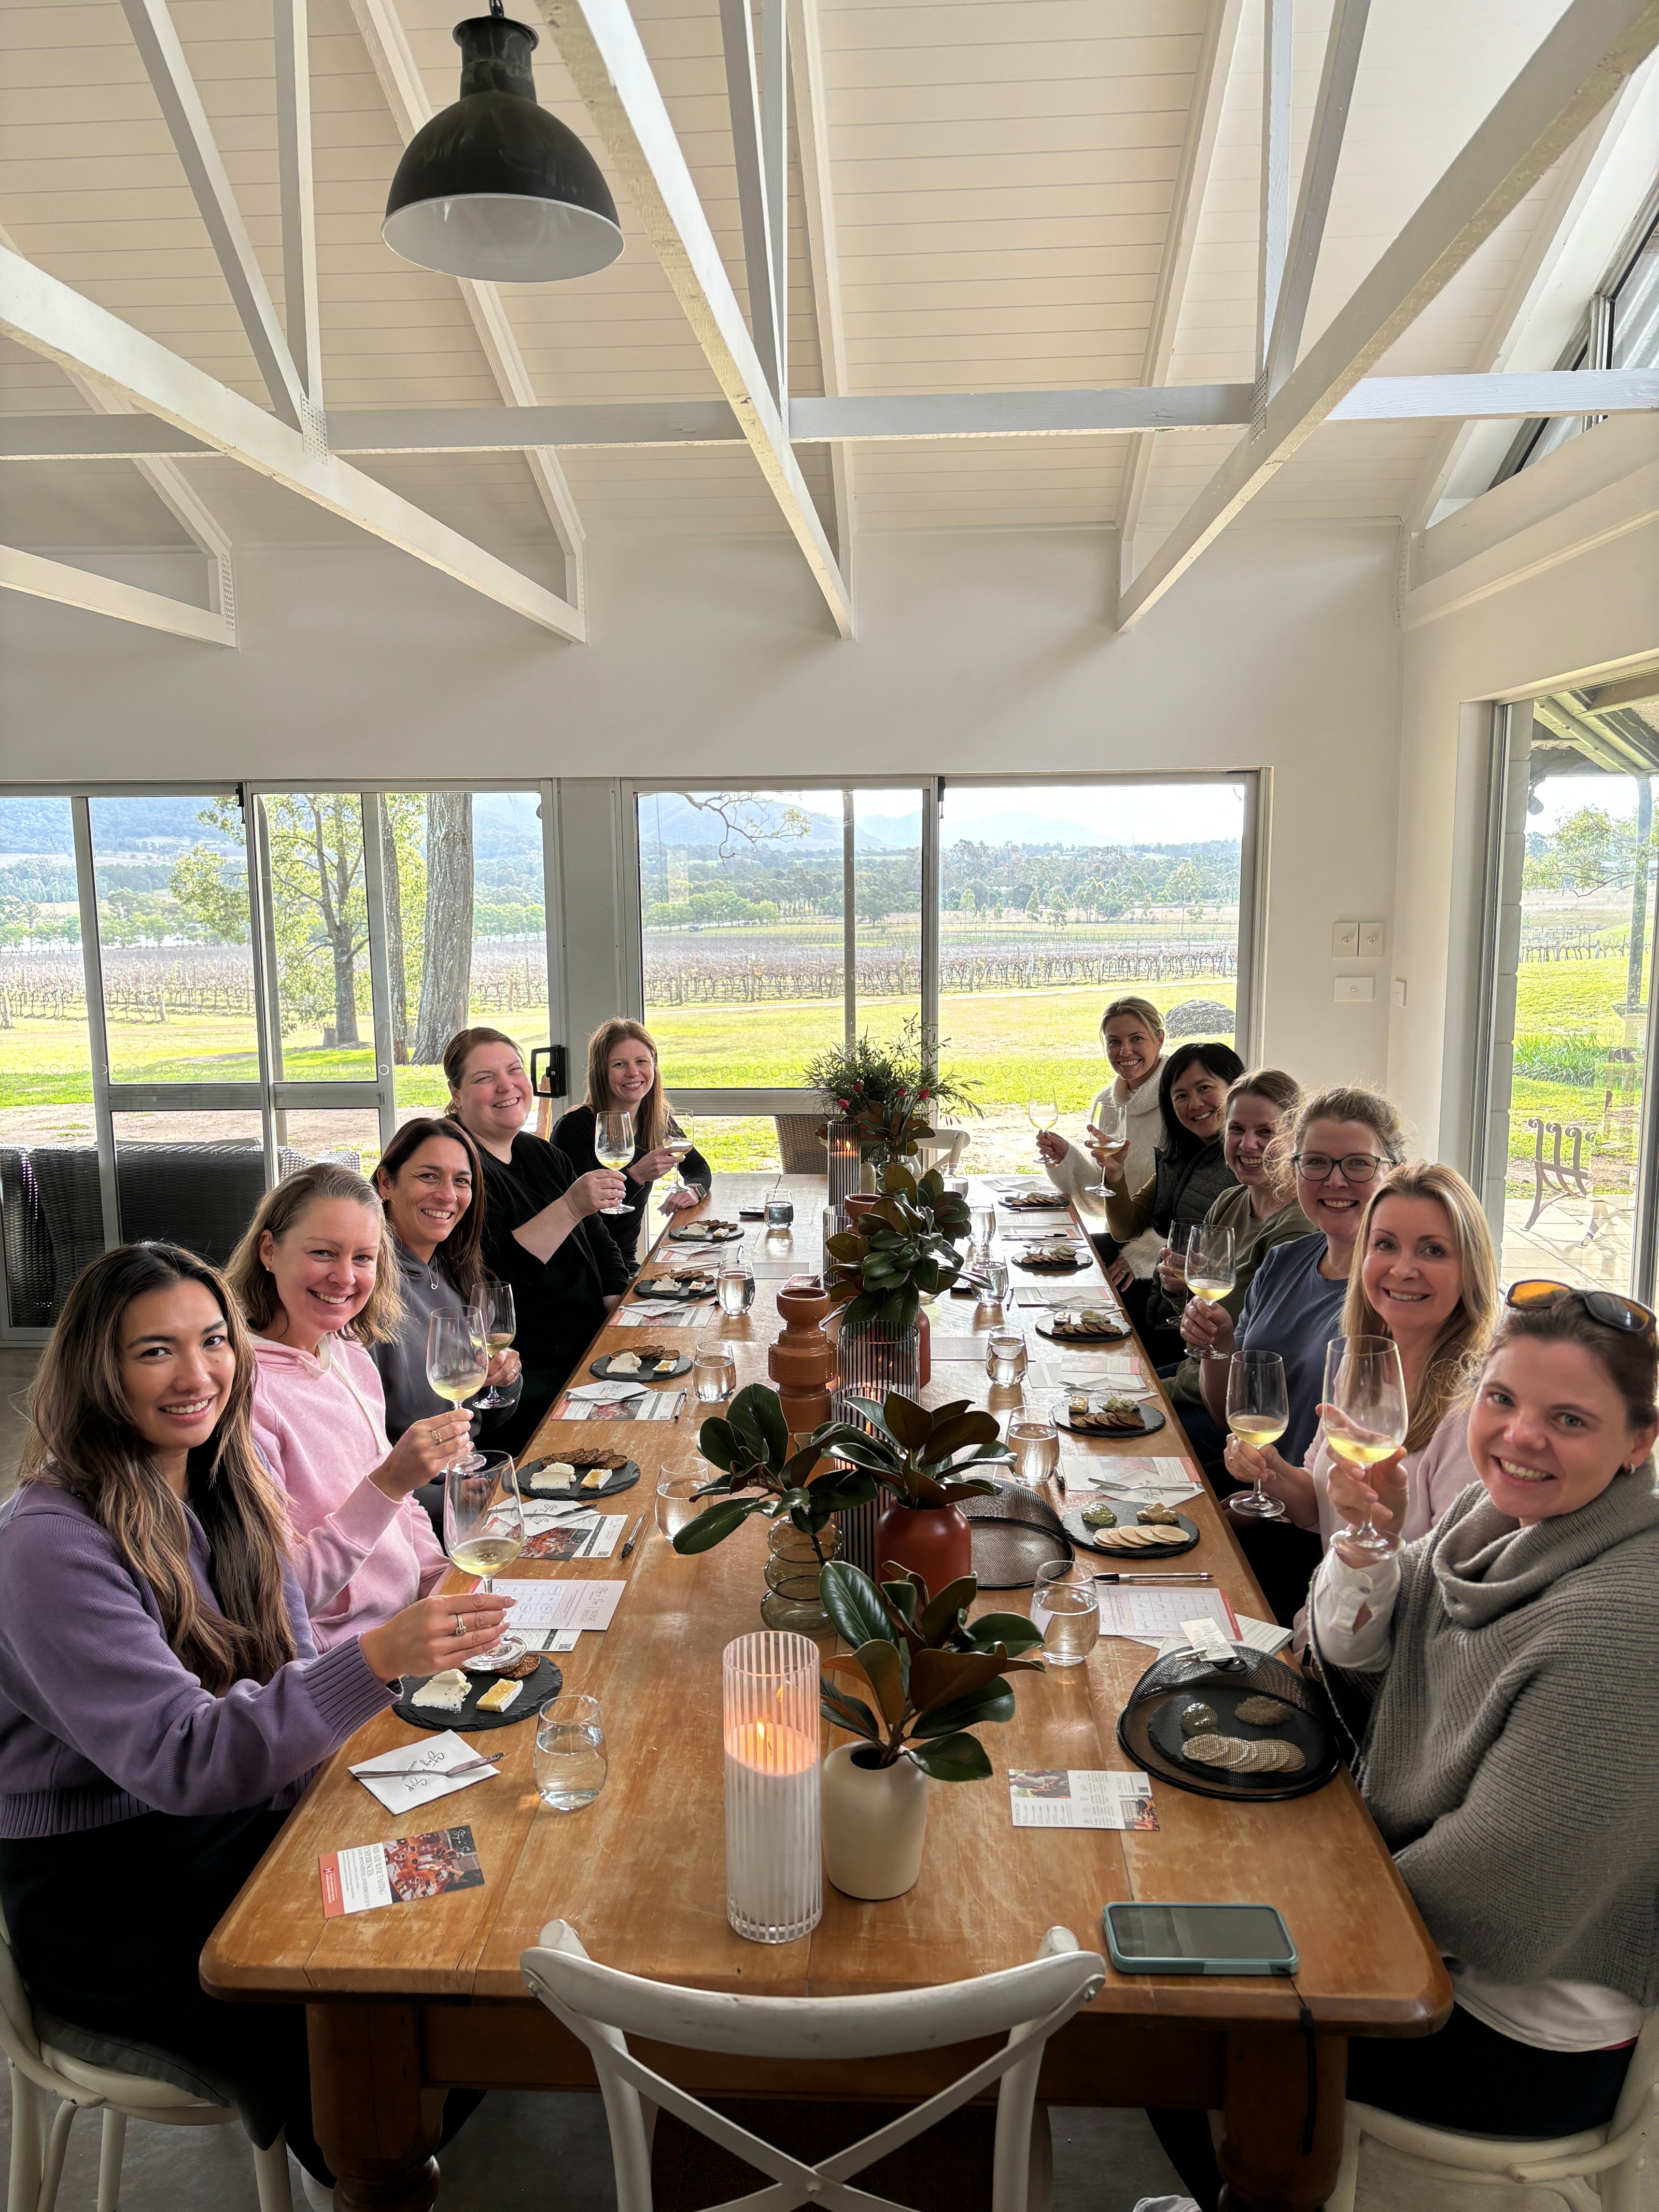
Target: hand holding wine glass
{"points": [[1258, 1413], [500, 1327], [1211, 1269], [483, 1528], [457, 1359], [613, 1147], [1042, 1114], [1367, 1416], [1108, 1141]]}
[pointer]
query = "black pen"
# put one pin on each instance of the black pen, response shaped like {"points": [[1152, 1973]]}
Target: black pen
{"points": [[630, 1540], [1154, 1578]]}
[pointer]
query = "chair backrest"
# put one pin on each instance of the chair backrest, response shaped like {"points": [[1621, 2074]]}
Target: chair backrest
{"points": [[1641, 2079], [17, 2037]]}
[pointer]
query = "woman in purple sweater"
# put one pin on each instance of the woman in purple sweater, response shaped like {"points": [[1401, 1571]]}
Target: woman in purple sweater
{"points": [[161, 1703]]}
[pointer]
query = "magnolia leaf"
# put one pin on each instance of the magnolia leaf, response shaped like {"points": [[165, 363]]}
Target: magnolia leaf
{"points": [[717, 1443], [993, 1701], [880, 1661], [846, 1245], [847, 1712], [941, 1613], [908, 1423], [714, 1524], [903, 1597], [1010, 1629], [963, 1429], [853, 1603], [865, 1309], [922, 1489], [949, 1413], [953, 1759], [763, 1410], [950, 1492], [940, 1678]]}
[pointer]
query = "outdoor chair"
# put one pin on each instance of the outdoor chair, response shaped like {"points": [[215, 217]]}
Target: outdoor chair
{"points": [[1553, 1177], [602, 2006]]}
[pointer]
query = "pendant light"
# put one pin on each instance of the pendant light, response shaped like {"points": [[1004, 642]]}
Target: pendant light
{"points": [[495, 187]]}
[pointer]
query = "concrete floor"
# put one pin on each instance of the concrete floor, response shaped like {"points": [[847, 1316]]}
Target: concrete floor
{"points": [[516, 2142]]}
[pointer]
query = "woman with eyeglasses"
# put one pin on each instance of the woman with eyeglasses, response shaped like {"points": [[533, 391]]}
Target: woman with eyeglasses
{"points": [[1508, 1665], [1427, 1277]]}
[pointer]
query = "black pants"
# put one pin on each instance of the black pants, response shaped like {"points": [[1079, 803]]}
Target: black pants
{"points": [[108, 1924]]}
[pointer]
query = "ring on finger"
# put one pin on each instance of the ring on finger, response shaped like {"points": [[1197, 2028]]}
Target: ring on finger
{"points": [[460, 1626]]}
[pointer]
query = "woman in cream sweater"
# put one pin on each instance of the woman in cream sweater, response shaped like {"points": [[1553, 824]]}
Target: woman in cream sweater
{"points": [[1132, 1030]]}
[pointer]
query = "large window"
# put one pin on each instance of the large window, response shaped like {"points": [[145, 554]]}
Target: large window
{"points": [[199, 991], [1569, 1151], [1002, 916]]}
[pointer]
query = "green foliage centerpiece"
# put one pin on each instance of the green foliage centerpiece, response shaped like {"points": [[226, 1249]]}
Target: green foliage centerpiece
{"points": [[751, 1446], [900, 1251], [921, 1457]]}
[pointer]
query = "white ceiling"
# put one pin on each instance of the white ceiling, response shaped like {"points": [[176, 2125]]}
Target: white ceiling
{"points": [[1002, 173]]}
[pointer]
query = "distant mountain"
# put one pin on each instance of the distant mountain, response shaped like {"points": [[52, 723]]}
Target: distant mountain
{"points": [[118, 825]]}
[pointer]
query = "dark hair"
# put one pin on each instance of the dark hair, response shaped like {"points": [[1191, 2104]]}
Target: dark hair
{"points": [[466, 1042], [82, 1439], [459, 1258], [1630, 1362], [1217, 1059]]}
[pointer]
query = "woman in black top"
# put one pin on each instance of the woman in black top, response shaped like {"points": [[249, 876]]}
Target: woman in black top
{"points": [[623, 1075], [540, 1234]]}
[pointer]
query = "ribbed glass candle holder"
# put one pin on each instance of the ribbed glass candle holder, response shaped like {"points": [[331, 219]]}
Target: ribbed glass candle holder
{"points": [[845, 1161], [769, 1717]]}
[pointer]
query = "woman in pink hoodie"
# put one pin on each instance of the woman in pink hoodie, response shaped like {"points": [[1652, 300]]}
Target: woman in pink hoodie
{"points": [[317, 1281]]}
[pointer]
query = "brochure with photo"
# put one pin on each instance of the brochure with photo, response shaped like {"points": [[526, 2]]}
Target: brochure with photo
{"points": [[402, 1872], [1080, 1798]]}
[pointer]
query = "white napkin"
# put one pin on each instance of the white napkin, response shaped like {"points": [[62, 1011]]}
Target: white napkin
{"points": [[433, 1755], [608, 1394]]}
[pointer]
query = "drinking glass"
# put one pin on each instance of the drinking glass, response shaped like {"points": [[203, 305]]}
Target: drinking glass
{"points": [[1211, 1270], [457, 1364], [1366, 1415], [1005, 1356], [500, 1327], [780, 1213], [484, 1531], [957, 1185], [1041, 1113], [982, 1223], [1112, 1130], [736, 1285], [1035, 1441], [714, 1375], [613, 1147], [569, 1752], [1258, 1410], [1065, 1607], [992, 1286], [677, 1502]]}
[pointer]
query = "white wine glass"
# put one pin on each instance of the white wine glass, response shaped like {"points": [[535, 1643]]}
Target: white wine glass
{"points": [[1041, 1113], [678, 1143], [1258, 1413], [483, 1532], [500, 1327], [613, 1147], [1366, 1415], [1111, 1132], [457, 1364], [1212, 1268]]}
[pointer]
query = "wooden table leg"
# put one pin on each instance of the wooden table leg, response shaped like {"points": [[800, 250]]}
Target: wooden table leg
{"points": [[376, 2125], [1263, 2116]]}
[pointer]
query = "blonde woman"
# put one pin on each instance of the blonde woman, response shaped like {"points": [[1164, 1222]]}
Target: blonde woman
{"points": [[622, 1076], [1427, 1277], [317, 1282], [1131, 1031]]}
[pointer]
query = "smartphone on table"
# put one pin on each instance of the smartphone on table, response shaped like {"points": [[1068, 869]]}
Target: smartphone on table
{"points": [[1199, 1939]]}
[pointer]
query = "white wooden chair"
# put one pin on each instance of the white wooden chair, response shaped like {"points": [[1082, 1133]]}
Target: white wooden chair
{"points": [[1026, 2003], [1599, 2170], [37, 2070]]}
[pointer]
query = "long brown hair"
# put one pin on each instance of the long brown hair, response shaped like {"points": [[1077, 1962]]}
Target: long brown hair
{"points": [[82, 1439], [281, 1209], [651, 1116], [1465, 1332], [459, 1258]]}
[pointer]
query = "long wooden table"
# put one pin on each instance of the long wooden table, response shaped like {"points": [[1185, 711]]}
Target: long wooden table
{"points": [[407, 2003]]}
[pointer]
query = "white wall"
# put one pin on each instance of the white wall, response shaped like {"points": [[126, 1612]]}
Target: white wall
{"points": [[976, 654], [1528, 589]]}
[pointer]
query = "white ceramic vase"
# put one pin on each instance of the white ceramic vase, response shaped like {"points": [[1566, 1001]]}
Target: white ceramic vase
{"points": [[875, 1824]]}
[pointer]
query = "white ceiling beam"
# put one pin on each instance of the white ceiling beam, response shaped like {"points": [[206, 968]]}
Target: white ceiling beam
{"points": [[1275, 170], [774, 174], [40, 579], [1125, 412], [169, 74], [48, 318], [1209, 93], [1594, 47], [754, 206], [1313, 200], [295, 177], [823, 253], [601, 48], [380, 28]]}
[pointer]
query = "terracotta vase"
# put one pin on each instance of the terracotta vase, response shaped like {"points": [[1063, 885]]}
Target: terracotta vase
{"points": [[875, 1823], [802, 1362], [933, 1541]]}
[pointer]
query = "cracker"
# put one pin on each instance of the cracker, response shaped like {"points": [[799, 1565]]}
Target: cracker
{"points": [[1261, 1712]]}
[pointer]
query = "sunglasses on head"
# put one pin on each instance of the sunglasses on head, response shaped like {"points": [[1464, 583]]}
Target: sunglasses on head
{"points": [[1536, 1294]]}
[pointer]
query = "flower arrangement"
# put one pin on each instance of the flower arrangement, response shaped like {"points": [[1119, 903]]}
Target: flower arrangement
{"points": [[890, 1092], [900, 1251]]}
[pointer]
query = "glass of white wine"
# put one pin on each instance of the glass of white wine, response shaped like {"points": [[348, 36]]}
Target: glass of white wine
{"points": [[1041, 1113], [457, 1364], [677, 1141], [1366, 1414], [483, 1532], [1259, 1411], [1111, 1134], [500, 1327], [613, 1147], [1211, 1269]]}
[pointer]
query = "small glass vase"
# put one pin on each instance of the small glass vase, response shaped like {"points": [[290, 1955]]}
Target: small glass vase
{"points": [[793, 1567]]}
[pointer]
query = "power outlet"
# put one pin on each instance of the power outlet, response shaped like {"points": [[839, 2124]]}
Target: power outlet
{"points": [[1354, 990], [1400, 990], [1373, 939], [1345, 941]]}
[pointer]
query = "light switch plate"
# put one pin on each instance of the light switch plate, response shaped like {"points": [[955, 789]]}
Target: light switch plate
{"points": [[1345, 940], [1373, 939], [1400, 990], [1351, 990]]}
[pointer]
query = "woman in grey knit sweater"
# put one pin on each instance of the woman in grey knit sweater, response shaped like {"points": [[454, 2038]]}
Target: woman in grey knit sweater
{"points": [[1510, 1660]]}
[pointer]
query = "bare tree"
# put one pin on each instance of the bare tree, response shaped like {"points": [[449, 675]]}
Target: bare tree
{"points": [[447, 963], [394, 933]]}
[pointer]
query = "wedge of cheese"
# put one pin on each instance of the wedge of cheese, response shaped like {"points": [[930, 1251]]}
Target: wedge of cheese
{"points": [[498, 1700], [446, 1693]]}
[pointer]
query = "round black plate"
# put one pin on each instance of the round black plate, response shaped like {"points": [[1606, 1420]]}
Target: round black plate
{"points": [[1152, 1417], [1051, 1266], [1310, 1737], [661, 1287], [601, 1367], [705, 1236], [1082, 1343], [1137, 1555], [1055, 1204], [546, 1682], [619, 1479]]}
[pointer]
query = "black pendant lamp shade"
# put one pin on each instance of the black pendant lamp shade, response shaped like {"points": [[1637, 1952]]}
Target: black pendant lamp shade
{"points": [[495, 187]]}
